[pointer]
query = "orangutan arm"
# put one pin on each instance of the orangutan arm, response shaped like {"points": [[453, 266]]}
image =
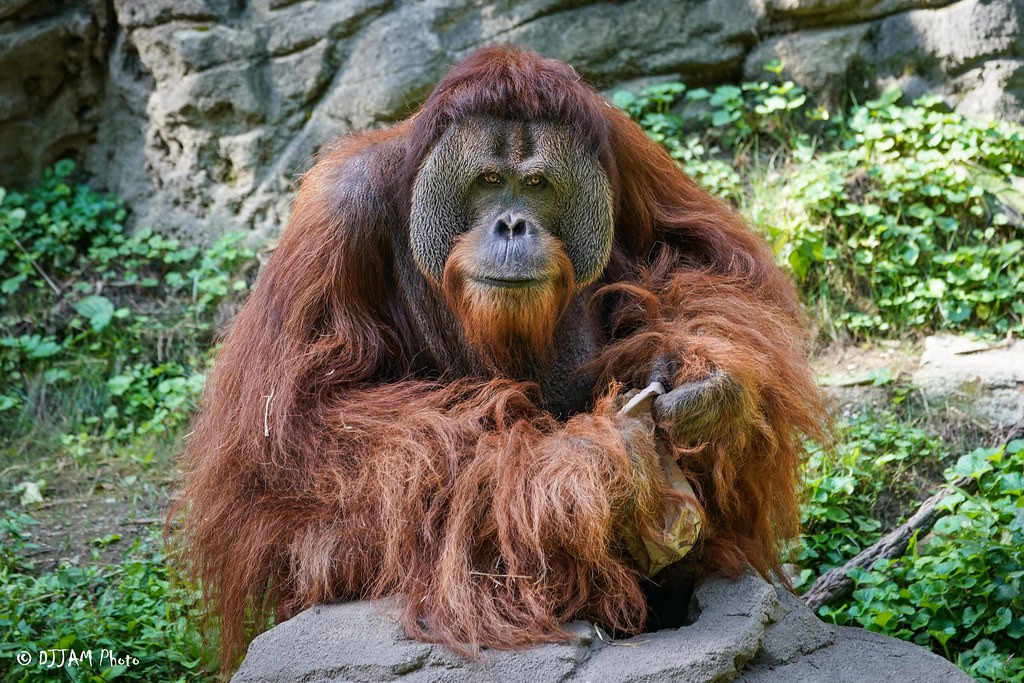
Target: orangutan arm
{"points": [[495, 522], [739, 396]]}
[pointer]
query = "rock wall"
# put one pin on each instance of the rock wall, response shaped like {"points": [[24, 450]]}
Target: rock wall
{"points": [[201, 113], [53, 73]]}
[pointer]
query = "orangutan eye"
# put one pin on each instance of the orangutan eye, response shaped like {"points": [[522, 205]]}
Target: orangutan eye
{"points": [[491, 178], [535, 180]]}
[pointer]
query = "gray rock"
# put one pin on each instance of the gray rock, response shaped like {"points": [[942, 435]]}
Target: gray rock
{"points": [[983, 381], [804, 13], [824, 61], [202, 112], [361, 641], [10, 8], [727, 634], [993, 89], [747, 630], [859, 656], [133, 14], [608, 44], [52, 58], [940, 49], [795, 632]]}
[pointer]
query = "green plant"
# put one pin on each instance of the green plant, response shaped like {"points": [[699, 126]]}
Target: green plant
{"points": [[652, 108], [127, 621], [104, 338], [915, 222], [960, 591], [847, 487], [891, 217], [102, 330]]}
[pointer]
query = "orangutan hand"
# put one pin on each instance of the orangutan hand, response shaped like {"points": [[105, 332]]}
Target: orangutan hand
{"points": [[695, 410]]}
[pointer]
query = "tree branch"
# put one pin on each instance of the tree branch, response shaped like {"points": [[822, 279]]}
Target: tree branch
{"points": [[835, 584]]}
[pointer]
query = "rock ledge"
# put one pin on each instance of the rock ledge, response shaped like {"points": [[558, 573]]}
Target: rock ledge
{"points": [[748, 630]]}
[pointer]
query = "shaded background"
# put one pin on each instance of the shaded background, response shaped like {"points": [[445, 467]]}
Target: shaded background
{"points": [[200, 113]]}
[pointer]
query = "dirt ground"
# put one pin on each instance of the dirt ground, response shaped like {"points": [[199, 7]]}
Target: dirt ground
{"points": [[94, 525]]}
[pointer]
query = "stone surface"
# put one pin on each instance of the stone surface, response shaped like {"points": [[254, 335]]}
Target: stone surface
{"points": [[964, 381], [858, 656], [970, 52], [202, 113], [837, 11], [982, 380], [747, 630], [52, 74]]}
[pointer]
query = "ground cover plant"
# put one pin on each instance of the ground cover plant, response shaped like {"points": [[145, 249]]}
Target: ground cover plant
{"points": [[104, 338], [892, 217], [897, 219], [960, 590]]}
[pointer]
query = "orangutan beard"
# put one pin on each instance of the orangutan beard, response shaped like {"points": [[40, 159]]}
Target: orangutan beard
{"points": [[511, 328]]}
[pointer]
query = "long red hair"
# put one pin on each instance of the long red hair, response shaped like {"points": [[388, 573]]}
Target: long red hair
{"points": [[338, 455]]}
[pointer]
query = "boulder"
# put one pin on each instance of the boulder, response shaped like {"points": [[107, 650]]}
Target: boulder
{"points": [[745, 630], [970, 52]]}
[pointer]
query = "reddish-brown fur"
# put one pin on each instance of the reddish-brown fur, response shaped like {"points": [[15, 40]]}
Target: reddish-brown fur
{"points": [[519, 323], [336, 457]]}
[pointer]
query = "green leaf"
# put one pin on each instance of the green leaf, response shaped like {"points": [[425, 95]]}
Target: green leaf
{"points": [[623, 99], [956, 311], [1001, 620], [97, 309], [889, 96], [64, 168], [119, 384], [874, 131], [975, 463], [725, 94], [911, 252], [722, 117], [12, 284], [39, 347], [936, 288], [14, 219]]}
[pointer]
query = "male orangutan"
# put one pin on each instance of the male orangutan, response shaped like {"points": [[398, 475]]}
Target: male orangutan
{"points": [[422, 397]]}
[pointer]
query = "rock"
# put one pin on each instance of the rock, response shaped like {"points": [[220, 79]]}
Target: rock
{"points": [[983, 381], [201, 113], [825, 61], [747, 630], [134, 14], [811, 12], [52, 64], [705, 43], [857, 656], [937, 47], [993, 89]]}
